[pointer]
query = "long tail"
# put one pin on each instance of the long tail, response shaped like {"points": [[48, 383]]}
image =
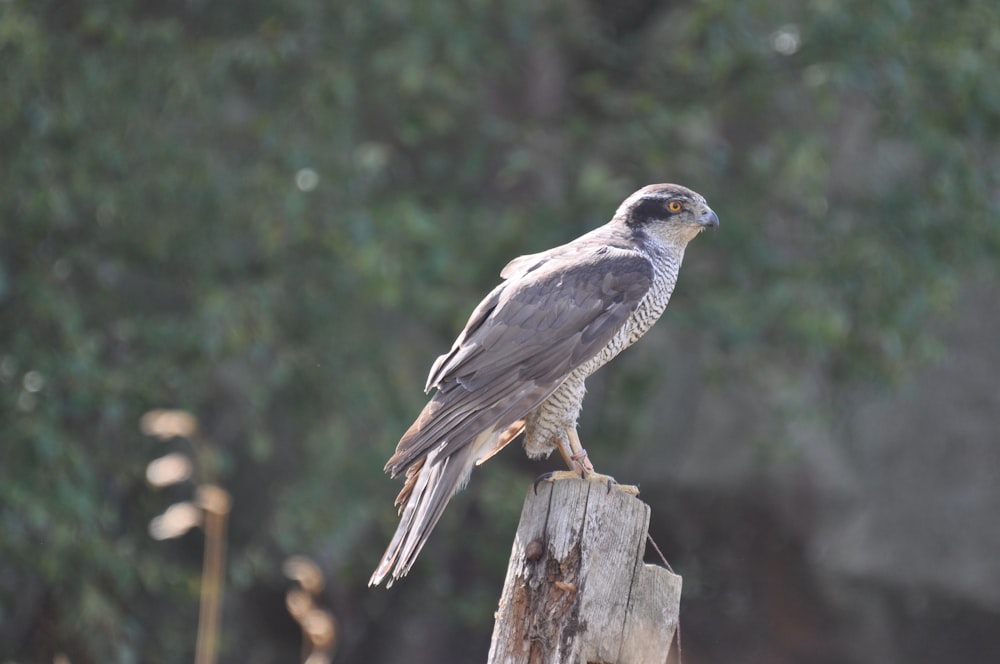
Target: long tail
{"points": [[432, 483]]}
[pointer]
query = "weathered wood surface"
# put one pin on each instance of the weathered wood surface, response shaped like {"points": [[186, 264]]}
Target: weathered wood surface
{"points": [[577, 590]]}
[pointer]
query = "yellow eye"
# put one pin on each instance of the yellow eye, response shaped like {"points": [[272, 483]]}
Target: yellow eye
{"points": [[674, 206]]}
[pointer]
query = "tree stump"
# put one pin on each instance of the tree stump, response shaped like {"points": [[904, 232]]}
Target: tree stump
{"points": [[577, 590]]}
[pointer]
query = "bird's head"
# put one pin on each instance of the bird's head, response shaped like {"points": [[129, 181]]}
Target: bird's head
{"points": [[673, 213]]}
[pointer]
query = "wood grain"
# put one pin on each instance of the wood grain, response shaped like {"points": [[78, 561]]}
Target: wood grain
{"points": [[577, 589]]}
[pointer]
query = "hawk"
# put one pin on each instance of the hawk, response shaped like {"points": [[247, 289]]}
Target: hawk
{"points": [[521, 361]]}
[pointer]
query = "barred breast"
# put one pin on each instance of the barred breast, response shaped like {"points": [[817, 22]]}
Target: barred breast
{"points": [[562, 409]]}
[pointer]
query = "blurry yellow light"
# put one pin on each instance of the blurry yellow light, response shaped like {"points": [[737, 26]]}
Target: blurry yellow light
{"points": [[319, 628], [305, 571], [299, 603], [177, 520], [170, 469], [166, 424], [213, 499]]}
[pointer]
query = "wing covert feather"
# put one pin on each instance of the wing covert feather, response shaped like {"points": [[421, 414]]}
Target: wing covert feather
{"points": [[553, 315]]}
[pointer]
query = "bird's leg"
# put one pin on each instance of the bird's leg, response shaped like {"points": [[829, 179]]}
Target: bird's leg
{"points": [[578, 456], [579, 464], [573, 453]]}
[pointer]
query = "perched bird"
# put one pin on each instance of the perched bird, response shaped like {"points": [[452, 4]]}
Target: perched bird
{"points": [[521, 361]]}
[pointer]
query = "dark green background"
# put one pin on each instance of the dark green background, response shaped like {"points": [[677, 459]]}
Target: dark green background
{"points": [[156, 251]]}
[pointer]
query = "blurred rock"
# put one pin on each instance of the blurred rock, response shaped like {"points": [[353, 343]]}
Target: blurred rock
{"points": [[869, 533]]}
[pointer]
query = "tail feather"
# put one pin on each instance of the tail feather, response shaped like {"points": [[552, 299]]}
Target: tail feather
{"points": [[426, 494]]}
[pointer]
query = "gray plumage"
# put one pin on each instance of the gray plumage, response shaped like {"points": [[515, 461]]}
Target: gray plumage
{"points": [[522, 359]]}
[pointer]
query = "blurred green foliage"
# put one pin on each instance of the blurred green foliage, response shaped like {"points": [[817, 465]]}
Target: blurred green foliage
{"points": [[276, 214]]}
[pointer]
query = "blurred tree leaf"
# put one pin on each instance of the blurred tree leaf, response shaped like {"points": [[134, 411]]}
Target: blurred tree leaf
{"points": [[276, 214]]}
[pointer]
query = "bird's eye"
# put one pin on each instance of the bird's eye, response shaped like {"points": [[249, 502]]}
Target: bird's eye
{"points": [[674, 206]]}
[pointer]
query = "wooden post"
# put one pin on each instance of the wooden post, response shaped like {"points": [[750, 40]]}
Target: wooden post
{"points": [[577, 590]]}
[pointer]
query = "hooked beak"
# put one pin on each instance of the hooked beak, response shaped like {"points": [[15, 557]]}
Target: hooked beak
{"points": [[709, 219]]}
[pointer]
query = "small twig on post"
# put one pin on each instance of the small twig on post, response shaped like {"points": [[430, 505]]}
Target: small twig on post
{"points": [[577, 589]]}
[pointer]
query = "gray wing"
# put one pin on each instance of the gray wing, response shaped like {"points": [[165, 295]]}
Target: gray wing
{"points": [[556, 311]]}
